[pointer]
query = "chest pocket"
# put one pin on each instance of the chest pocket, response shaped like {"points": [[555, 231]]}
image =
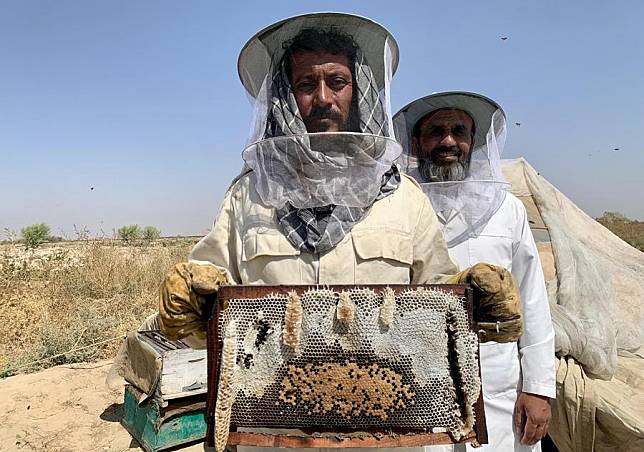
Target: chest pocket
{"points": [[269, 258], [382, 256]]}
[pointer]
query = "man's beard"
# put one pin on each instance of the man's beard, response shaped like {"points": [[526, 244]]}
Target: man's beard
{"points": [[431, 172]]}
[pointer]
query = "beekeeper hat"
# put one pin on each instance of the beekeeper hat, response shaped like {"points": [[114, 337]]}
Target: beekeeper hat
{"points": [[479, 107], [265, 50]]}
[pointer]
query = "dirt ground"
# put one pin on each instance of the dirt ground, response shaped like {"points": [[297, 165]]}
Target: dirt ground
{"points": [[64, 408]]}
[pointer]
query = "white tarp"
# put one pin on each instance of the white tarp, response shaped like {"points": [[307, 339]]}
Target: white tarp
{"points": [[595, 284]]}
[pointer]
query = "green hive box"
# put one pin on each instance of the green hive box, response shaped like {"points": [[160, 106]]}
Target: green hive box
{"points": [[157, 428]]}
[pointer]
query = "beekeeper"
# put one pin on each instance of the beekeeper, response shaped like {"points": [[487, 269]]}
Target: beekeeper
{"points": [[320, 199], [453, 142]]}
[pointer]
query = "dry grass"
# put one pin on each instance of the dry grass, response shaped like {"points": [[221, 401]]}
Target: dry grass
{"points": [[73, 294]]}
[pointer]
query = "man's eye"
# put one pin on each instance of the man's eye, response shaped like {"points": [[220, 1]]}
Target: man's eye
{"points": [[435, 133], [307, 86], [459, 131], [338, 83]]}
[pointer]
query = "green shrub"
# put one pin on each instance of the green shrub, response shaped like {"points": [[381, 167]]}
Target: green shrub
{"points": [[151, 233], [35, 235], [631, 231], [130, 233]]}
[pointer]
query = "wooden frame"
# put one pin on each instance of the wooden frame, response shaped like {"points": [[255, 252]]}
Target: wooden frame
{"points": [[372, 438]]}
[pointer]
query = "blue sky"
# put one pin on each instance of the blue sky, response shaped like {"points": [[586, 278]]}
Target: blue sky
{"points": [[141, 100]]}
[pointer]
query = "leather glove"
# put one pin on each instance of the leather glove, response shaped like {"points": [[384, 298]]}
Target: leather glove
{"points": [[498, 312], [182, 298]]}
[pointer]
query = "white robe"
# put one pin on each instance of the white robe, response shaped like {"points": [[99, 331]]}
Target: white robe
{"points": [[510, 368]]}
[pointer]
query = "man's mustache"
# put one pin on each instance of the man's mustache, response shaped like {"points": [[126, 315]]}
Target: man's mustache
{"points": [[324, 113], [446, 150]]}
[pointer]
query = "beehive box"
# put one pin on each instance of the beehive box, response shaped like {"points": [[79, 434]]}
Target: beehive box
{"points": [[369, 366], [156, 427], [182, 371]]}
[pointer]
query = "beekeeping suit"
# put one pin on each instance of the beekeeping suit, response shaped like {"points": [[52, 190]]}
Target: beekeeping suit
{"points": [[482, 221], [330, 207]]}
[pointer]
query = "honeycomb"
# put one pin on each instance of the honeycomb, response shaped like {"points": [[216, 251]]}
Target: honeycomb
{"points": [[360, 359]]}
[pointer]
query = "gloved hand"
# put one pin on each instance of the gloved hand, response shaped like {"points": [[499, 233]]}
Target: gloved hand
{"points": [[182, 298], [498, 312]]}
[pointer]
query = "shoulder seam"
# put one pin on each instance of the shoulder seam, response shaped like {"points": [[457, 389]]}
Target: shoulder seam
{"points": [[411, 179]]}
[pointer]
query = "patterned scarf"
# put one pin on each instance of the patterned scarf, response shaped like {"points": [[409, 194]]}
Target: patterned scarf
{"points": [[319, 229]]}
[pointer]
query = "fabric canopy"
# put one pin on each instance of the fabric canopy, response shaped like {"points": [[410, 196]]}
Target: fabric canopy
{"points": [[595, 282]]}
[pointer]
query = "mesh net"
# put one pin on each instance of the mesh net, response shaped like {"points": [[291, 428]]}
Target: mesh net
{"points": [[358, 359], [313, 170]]}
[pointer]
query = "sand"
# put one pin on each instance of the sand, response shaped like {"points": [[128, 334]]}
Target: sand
{"points": [[64, 408]]}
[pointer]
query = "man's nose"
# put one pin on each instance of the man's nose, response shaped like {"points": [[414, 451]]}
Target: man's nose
{"points": [[322, 95], [448, 140]]}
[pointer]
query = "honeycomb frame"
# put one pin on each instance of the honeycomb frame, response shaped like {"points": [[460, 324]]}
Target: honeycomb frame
{"points": [[309, 385]]}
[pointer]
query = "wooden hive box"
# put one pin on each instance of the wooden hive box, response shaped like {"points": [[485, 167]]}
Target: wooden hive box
{"points": [[156, 427], [171, 411], [183, 370]]}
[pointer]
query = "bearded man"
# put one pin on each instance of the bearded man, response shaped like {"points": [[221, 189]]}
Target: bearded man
{"points": [[453, 144]]}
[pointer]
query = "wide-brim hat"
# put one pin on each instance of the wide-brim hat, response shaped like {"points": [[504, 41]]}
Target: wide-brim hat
{"points": [[264, 50], [479, 107]]}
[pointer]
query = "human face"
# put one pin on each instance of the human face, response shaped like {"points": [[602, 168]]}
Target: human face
{"points": [[323, 88], [445, 137]]}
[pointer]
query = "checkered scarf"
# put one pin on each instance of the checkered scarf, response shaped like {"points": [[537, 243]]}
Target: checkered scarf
{"points": [[319, 229]]}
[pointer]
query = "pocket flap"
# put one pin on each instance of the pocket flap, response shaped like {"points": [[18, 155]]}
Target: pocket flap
{"points": [[256, 245], [383, 243]]}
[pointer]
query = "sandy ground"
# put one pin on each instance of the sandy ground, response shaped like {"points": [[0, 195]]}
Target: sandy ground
{"points": [[65, 408]]}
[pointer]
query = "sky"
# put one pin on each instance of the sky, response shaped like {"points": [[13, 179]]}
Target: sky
{"points": [[122, 112]]}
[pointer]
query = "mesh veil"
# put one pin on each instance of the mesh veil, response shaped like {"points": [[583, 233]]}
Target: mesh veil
{"points": [[466, 205], [306, 170]]}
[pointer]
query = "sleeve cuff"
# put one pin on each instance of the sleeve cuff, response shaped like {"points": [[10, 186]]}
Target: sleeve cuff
{"points": [[539, 388]]}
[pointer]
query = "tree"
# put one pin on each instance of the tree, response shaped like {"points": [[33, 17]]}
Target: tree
{"points": [[129, 233], [151, 233], [35, 235], [613, 216]]}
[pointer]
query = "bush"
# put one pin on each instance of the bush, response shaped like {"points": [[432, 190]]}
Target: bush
{"points": [[130, 233], [151, 233], [631, 231], [35, 235]]}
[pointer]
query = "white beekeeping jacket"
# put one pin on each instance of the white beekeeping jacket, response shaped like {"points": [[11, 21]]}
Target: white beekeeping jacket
{"points": [[482, 222], [507, 241], [528, 365]]}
